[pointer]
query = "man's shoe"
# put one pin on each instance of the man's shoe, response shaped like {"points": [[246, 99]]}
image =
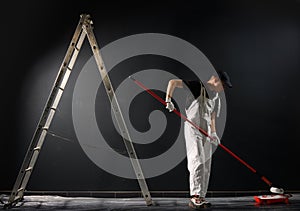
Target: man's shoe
{"points": [[197, 202]]}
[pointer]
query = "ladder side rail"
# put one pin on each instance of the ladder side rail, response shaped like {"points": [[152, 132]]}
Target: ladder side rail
{"points": [[118, 114]]}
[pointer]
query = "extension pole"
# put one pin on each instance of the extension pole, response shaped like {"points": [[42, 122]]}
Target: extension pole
{"points": [[263, 178]]}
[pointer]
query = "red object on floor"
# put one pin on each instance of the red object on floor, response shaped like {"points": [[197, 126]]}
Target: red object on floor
{"points": [[272, 199]]}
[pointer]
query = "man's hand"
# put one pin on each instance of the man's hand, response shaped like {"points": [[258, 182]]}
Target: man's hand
{"points": [[170, 106], [215, 139]]}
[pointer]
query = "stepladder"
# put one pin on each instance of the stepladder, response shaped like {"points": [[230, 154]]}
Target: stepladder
{"points": [[84, 29]]}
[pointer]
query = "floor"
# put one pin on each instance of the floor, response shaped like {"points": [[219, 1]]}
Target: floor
{"points": [[53, 202]]}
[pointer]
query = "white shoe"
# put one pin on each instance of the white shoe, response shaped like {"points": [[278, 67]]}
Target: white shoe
{"points": [[197, 202]]}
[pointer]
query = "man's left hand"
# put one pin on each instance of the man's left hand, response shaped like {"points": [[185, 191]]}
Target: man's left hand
{"points": [[215, 139]]}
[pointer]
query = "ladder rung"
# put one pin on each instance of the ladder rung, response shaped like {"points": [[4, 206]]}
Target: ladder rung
{"points": [[28, 169], [58, 87], [20, 189], [51, 108], [36, 148]]}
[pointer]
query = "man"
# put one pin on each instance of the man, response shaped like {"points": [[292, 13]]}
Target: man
{"points": [[202, 107]]}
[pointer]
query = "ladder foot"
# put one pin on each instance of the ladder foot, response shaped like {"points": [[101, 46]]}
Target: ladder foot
{"points": [[12, 204]]}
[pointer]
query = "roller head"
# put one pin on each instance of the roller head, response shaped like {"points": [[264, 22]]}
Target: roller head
{"points": [[276, 190]]}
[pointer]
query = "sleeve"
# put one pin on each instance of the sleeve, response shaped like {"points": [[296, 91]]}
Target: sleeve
{"points": [[217, 107]]}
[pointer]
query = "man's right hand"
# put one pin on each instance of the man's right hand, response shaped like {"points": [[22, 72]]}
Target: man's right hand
{"points": [[170, 106]]}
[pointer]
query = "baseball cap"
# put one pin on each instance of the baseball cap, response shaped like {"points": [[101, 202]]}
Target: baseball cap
{"points": [[225, 78]]}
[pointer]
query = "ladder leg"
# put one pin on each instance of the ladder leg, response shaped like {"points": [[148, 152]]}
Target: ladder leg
{"points": [[118, 114], [48, 114]]}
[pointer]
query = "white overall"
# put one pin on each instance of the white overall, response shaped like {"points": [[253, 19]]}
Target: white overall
{"points": [[198, 147]]}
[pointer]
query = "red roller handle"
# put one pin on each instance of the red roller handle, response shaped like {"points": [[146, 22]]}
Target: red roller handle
{"points": [[202, 131]]}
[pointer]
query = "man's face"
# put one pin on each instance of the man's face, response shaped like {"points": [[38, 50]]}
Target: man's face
{"points": [[215, 84]]}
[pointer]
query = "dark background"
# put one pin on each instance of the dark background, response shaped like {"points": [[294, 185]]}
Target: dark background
{"points": [[256, 42]]}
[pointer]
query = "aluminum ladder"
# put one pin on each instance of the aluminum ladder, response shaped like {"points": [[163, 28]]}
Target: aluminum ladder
{"points": [[84, 29]]}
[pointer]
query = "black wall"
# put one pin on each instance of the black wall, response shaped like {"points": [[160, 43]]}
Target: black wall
{"points": [[256, 42]]}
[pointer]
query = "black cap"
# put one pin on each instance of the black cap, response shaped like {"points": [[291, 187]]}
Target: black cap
{"points": [[225, 78]]}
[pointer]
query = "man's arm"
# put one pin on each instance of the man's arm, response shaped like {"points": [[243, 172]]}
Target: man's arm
{"points": [[213, 122], [216, 140], [170, 89], [174, 83]]}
